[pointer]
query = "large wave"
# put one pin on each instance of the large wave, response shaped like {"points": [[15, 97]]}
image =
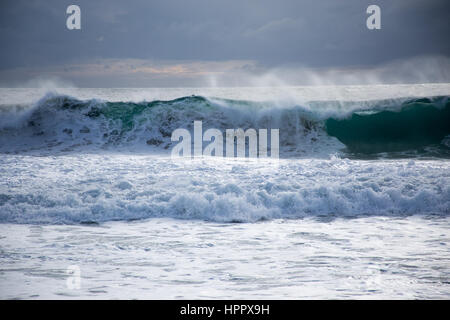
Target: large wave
{"points": [[59, 123]]}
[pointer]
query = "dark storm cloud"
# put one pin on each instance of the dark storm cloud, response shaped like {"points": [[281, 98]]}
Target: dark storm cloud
{"points": [[274, 33]]}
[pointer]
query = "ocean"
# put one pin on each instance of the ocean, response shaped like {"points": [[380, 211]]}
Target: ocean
{"points": [[357, 206]]}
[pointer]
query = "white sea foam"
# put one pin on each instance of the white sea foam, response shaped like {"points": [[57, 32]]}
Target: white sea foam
{"points": [[97, 188]]}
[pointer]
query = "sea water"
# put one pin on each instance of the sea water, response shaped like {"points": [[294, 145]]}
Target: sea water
{"points": [[357, 206]]}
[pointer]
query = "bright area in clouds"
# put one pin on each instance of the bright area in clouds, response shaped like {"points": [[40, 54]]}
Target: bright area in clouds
{"points": [[216, 42]]}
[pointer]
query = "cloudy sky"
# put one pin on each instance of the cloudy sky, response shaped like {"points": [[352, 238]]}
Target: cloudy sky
{"points": [[141, 43]]}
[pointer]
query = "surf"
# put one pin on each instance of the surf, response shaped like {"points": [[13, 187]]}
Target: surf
{"points": [[60, 123]]}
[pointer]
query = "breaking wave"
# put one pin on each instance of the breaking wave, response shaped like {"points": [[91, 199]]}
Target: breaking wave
{"points": [[399, 127]]}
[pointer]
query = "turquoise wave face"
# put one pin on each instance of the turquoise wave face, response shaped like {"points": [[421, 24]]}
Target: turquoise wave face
{"points": [[128, 112], [415, 125]]}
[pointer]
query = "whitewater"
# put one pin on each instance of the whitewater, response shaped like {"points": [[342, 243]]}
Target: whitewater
{"points": [[357, 205]]}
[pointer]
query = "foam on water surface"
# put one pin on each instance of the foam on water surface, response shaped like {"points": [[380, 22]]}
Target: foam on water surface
{"points": [[365, 258], [97, 188]]}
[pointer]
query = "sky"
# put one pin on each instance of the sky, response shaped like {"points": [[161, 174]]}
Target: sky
{"points": [[183, 43]]}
